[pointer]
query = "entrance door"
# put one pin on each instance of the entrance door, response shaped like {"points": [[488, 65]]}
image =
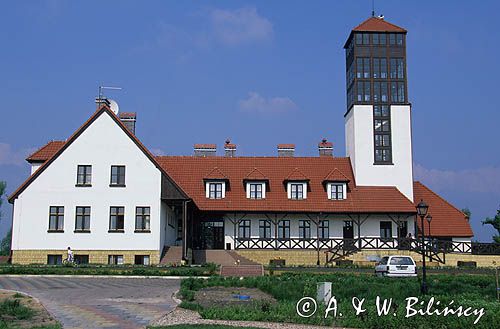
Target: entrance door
{"points": [[348, 234], [403, 229], [213, 235]]}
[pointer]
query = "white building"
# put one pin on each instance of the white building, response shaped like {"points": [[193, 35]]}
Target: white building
{"points": [[102, 193]]}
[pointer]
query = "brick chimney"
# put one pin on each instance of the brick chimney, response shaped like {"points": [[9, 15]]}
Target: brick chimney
{"points": [[205, 150], [229, 149], [286, 150], [325, 148], [128, 119]]}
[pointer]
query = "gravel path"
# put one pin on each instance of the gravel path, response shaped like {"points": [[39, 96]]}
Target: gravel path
{"points": [[183, 316]]}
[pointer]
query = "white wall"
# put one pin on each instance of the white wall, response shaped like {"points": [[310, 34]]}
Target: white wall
{"points": [[360, 149], [102, 144]]}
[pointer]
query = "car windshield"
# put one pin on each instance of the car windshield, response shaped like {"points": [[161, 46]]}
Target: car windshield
{"points": [[383, 261], [401, 261]]}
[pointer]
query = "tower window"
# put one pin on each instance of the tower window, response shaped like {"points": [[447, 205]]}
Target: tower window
{"points": [[382, 134], [363, 88], [362, 39], [397, 68], [380, 92], [379, 68], [379, 39], [363, 67], [398, 92]]}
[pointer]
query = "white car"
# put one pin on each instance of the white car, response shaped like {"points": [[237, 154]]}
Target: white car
{"points": [[396, 266]]}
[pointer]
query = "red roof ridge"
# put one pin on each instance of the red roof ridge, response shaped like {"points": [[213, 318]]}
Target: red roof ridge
{"points": [[216, 173], [296, 175], [336, 176], [255, 174]]}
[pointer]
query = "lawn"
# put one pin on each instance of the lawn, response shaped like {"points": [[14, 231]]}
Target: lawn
{"points": [[475, 291], [129, 270], [21, 311]]}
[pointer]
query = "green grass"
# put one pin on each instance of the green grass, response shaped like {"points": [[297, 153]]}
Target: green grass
{"points": [[108, 270], [14, 308], [469, 290]]}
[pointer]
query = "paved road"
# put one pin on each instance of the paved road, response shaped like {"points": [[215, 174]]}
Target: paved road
{"points": [[99, 302]]}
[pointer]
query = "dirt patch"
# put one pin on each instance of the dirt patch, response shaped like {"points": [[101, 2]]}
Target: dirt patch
{"points": [[225, 296], [40, 315]]}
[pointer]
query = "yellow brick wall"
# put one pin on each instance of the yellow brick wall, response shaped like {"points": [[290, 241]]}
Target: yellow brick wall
{"points": [[95, 256], [309, 257]]}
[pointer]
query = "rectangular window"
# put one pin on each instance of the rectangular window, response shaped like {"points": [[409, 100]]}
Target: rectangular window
{"points": [[141, 260], [264, 229], [215, 190], [375, 38], [284, 229], [382, 133], [383, 155], [115, 259], [256, 191], [304, 229], [324, 229], [379, 68], [117, 176], [363, 67], [399, 39], [84, 175], [82, 220], [54, 259], [382, 39], [380, 92], [297, 191], [81, 259], [398, 92], [244, 229], [397, 68], [385, 230], [56, 219], [117, 219], [337, 192], [142, 216], [363, 89], [392, 39]]}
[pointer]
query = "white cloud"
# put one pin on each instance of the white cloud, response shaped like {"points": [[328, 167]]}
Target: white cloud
{"points": [[242, 25], [8, 156], [485, 179], [258, 104]]}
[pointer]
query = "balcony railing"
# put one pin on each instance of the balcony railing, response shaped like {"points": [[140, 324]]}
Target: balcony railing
{"points": [[369, 243]]}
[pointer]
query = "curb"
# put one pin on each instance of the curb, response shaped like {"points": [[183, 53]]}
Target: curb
{"points": [[100, 276]]}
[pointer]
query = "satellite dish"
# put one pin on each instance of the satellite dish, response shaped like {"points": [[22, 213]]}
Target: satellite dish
{"points": [[113, 105]]}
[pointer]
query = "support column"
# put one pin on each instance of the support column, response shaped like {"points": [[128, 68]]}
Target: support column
{"points": [[184, 230]]}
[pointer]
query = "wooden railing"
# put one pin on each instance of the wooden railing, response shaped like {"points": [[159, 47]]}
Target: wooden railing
{"points": [[440, 246]]}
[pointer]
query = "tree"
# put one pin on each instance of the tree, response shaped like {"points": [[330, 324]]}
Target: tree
{"points": [[466, 212], [5, 244], [495, 222]]}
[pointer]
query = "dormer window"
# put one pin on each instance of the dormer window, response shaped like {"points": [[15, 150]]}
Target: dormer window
{"points": [[297, 190], [256, 190], [215, 190], [337, 191]]}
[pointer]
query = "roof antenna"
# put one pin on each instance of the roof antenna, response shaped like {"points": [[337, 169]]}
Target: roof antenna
{"points": [[373, 8], [101, 99], [101, 88]]}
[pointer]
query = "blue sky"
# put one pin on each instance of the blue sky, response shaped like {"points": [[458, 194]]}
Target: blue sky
{"points": [[259, 72]]}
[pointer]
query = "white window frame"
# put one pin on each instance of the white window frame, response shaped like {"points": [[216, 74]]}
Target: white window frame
{"points": [[263, 189], [207, 188], [329, 190], [289, 190]]}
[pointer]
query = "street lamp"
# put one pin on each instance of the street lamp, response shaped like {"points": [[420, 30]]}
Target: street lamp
{"points": [[429, 218], [422, 208]]}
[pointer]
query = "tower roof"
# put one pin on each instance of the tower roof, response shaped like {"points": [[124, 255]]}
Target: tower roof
{"points": [[375, 24]]}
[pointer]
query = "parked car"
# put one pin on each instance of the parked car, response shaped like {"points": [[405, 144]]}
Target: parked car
{"points": [[396, 266]]}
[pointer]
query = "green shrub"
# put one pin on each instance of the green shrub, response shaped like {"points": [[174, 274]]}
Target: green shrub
{"points": [[14, 308]]}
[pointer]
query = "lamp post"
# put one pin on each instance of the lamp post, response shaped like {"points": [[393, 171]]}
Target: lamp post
{"points": [[429, 218], [422, 208]]}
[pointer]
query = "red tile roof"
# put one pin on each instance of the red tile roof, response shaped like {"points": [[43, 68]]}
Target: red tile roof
{"points": [[325, 143], [45, 152], [188, 173], [286, 146], [446, 219], [127, 115], [376, 24]]}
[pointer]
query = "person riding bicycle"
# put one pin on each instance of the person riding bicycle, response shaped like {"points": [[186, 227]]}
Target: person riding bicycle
{"points": [[70, 255]]}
